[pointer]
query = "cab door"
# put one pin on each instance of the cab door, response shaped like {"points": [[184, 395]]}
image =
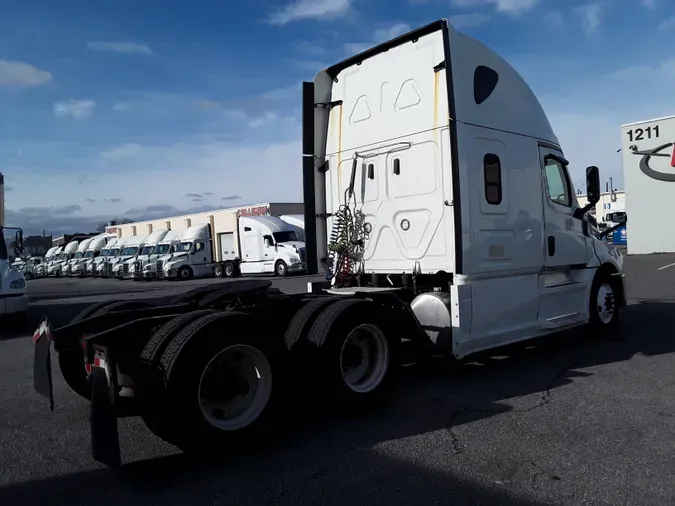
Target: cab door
{"points": [[564, 239]]}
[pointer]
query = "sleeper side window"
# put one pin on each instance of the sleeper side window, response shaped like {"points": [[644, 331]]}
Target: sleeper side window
{"points": [[492, 173]]}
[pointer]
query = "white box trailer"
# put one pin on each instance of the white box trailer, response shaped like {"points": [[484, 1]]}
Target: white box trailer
{"points": [[649, 177], [437, 197], [257, 245]]}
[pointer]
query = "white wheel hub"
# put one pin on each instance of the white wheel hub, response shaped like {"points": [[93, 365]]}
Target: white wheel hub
{"points": [[605, 303], [364, 358], [235, 387]]}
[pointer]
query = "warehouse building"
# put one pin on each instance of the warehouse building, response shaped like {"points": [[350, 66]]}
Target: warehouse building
{"points": [[223, 221]]}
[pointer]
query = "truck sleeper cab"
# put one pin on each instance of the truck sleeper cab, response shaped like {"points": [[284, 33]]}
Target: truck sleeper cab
{"points": [[438, 202]]}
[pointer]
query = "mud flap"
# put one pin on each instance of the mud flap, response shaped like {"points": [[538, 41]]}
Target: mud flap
{"points": [[42, 364], [105, 442]]}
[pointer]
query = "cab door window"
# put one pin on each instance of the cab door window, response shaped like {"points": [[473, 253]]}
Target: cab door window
{"points": [[557, 183]]}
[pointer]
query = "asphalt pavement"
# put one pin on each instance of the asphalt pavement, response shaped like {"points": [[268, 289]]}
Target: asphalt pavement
{"points": [[563, 420]]}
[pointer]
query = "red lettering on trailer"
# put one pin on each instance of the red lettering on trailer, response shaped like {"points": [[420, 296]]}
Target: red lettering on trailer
{"points": [[253, 211]]}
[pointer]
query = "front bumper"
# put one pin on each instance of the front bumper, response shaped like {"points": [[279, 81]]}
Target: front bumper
{"points": [[14, 304], [295, 268]]}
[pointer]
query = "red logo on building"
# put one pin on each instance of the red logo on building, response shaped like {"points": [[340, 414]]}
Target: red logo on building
{"points": [[253, 211]]}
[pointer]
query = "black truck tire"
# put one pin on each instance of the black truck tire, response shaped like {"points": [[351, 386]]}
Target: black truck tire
{"points": [[299, 327], [71, 362], [155, 346], [333, 330], [218, 270], [179, 417]]}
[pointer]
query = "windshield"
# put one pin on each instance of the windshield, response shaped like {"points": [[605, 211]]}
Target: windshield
{"points": [[147, 250], [162, 249], [130, 250], [285, 236], [114, 252], [104, 252], [79, 254], [89, 254], [184, 246]]}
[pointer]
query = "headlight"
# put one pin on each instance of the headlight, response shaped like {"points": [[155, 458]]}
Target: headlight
{"points": [[18, 283], [293, 260]]}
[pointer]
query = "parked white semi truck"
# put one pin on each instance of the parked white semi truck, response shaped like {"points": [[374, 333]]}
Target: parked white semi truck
{"points": [[78, 258], [135, 268], [131, 250], [259, 245], [438, 200], [56, 267], [13, 291], [96, 245], [161, 254], [114, 255], [55, 257], [297, 221], [98, 265], [41, 270]]}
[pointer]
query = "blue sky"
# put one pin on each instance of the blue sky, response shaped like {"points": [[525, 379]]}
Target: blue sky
{"points": [[124, 108]]}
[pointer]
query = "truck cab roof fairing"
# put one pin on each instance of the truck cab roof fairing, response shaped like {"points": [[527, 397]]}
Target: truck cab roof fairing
{"points": [[501, 110]]}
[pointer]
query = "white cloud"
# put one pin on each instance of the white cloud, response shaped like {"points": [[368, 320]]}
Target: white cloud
{"points": [[379, 35], [667, 25], [299, 10], [78, 109], [121, 47], [469, 20], [235, 174], [505, 6], [121, 153], [650, 4], [590, 15], [16, 73]]}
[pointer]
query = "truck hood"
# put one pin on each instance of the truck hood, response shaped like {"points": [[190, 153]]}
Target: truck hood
{"points": [[292, 244]]}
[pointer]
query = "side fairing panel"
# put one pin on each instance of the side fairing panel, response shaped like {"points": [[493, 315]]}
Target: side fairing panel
{"points": [[393, 116]]}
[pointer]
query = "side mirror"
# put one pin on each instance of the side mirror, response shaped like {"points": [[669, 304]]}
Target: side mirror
{"points": [[18, 242], [593, 184], [592, 191]]}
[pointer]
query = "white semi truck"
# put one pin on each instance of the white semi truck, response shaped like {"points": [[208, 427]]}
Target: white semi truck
{"points": [[98, 265], [96, 245], [56, 267], [135, 268], [114, 255], [13, 291], [161, 254], [297, 221], [439, 203], [131, 250], [41, 270], [78, 258], [55, 257], [259, 245]]}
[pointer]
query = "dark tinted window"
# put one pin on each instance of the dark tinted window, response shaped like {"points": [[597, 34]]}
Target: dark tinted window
{"points": [[484, 83], [492, 173]]}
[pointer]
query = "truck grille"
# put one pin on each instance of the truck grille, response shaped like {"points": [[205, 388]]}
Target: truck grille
{"points": [[138, 266], [125, 269], [159, 269], [303, 254], [108, 269]]}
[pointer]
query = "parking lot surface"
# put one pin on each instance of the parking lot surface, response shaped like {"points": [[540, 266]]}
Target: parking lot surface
{"points": [[565, 420]]}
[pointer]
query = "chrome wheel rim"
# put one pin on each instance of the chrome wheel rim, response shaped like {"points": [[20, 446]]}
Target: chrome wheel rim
{"points": [[235, 387], [604, 303], [364, 358]]}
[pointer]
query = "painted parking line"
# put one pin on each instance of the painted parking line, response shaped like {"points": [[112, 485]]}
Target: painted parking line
{"points": [[665, 266]]}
